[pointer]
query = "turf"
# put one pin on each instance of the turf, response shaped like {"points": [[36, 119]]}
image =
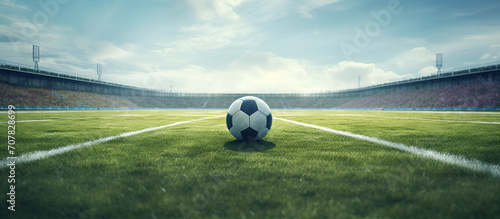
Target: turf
{"points": [[197, 170]]}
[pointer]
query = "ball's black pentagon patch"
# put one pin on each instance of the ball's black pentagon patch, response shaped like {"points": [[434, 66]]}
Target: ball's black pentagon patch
{"points": [[269, 121], [249, 107], [249, 134], [229, 121]]}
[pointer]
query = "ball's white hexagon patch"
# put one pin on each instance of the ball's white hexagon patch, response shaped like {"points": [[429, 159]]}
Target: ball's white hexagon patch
{"points": [[263, 107], [235, 107], [258, 121], [262, 133], [241, 120], [236, 133]]}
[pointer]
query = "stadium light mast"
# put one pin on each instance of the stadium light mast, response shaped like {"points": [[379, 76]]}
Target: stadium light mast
{"points": [[439, 62], [99, 71], [171, 86], [36, 56], [359, 81]]}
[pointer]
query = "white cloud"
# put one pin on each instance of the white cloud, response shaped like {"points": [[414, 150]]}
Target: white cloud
{"points": [[428, 70], [410, 62], [269, 10], [105, 50], [252, 72], [208, 37], [219, 26], [345, 74], [420, 60], [264, 71], [480, 8], [416, 56], [485, 56], [492, 54], [257, 72], [62, 49], [307, 6], [209, 10], [478, 37], [265, 11], [14, 5]]}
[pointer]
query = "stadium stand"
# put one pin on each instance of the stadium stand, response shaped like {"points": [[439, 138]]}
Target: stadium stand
{"points": [[463, 88], [40, 97], [467, 95]]}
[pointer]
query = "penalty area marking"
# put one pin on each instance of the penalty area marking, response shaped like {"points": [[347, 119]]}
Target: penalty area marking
{"points": [[37, 155], [472, 164]]}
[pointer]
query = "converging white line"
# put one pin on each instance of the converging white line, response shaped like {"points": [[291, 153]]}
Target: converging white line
{"points": [[437, 120], [46, 120], [458, 112], [32, 156], [472, 164]]}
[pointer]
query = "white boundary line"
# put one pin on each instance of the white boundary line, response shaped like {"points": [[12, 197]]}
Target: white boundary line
{"points": [[459, 112], [472, 164], [36, 155], [46, 120], [131, 115], [410, 118]]}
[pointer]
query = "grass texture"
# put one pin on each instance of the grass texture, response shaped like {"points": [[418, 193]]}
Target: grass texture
{"points": [[198, 170]]}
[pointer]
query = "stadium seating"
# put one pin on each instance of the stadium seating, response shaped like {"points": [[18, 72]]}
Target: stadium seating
{"points": [[480, 94]]}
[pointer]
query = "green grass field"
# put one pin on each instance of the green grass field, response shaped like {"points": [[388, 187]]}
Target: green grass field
{"points": [[198, 170]]}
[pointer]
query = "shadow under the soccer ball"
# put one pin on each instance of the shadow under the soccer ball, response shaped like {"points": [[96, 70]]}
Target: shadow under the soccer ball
{"points": [[244, 146]]}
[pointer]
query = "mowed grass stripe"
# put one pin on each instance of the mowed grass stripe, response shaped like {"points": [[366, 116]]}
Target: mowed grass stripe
{"points": [[36, 155], [472, 164]]}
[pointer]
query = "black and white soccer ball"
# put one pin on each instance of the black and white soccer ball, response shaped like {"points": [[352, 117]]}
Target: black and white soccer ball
{"points": [[249, 119]]}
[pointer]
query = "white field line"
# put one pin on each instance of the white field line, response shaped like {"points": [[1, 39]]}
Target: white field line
{"points": [[58, 111], [182, 115], [410, 118], [45, 120], [36, 155], [92, 111], [132, 115], [472, 164], [458, 112]]}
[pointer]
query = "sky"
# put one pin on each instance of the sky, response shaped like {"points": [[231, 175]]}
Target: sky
{"points": [[250, 46]]}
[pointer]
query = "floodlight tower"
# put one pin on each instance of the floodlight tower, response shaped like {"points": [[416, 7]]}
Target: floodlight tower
{"points": [[359, 81], [36, 56], [171, 86], [99, 71], [439, 62]]}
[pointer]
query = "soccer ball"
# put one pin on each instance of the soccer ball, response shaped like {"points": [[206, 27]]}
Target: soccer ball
{"points": [[249, 119]]}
